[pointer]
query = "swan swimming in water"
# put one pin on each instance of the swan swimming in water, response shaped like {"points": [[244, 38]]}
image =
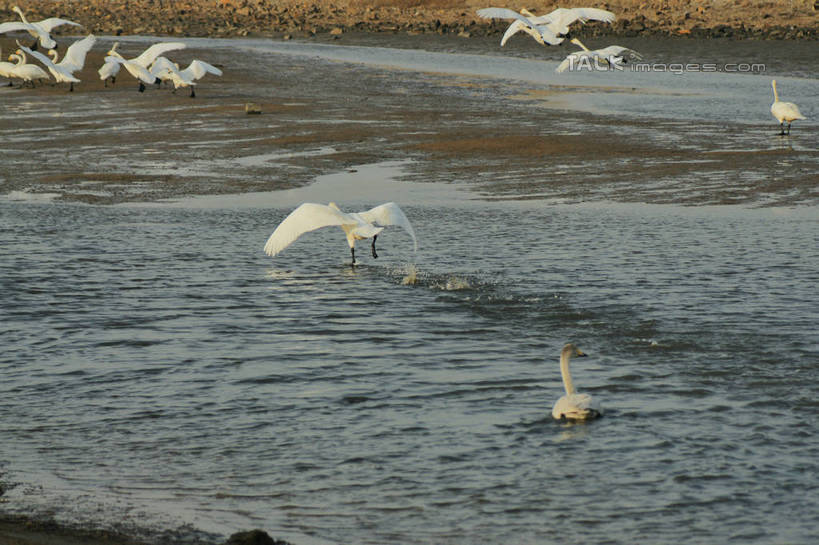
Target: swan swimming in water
{"points": [[784, 111], [573, 406], [357, 226]]}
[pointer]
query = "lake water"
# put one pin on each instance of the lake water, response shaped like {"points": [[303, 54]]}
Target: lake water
{"points": [[160, 372]]}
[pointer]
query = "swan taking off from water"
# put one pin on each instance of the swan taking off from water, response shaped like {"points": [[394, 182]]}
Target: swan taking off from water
{"points": [[41, 31], [573, 406], [357, 226], [164, 69], [784, 111], [109, 70], [613, 55]]}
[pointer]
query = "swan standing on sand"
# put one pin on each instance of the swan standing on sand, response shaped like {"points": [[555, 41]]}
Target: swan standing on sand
{"points": [[784, 111], [41, 31], [109, 70], [573, 406], [613, 55], [26, 72], [73, 60], [357, 226], [138, 66]]}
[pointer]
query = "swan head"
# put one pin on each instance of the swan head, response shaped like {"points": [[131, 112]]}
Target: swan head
{"points": [[17, 9], [576, 41], [572, 351], [334, 206], [113, 49]]}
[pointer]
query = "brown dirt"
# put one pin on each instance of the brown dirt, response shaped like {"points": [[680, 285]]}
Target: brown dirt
{"points": [[793, 19]]}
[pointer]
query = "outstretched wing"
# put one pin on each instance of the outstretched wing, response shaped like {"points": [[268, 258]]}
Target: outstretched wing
{"points": [[74, 58], [540, 33], [139, 72], [307, 217], [390, 214], [149, 55], [53, 22], [37, 55], [13, 27], [619, 51], [594, 14], [198, 69]]}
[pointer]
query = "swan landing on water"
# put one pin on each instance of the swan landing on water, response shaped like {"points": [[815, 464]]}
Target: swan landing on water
{"points": [[573, 406], [357, 226]]}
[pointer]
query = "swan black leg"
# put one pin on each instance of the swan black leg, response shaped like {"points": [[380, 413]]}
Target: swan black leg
{"points": [[375, 255], [193, 93], [71, 87], [789, 128], [33, 46], [782, 128], [141, 87], [352, 253]]}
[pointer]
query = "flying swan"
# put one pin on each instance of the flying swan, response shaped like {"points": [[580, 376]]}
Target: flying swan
{"points": [[784, 111], [357, 226], [41, 31], [549, 26], [612, 55], [541, 33], [573, 406], [164, 69]]}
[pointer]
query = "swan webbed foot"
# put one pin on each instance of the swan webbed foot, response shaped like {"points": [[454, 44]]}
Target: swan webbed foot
{"points": [[375, 255]]}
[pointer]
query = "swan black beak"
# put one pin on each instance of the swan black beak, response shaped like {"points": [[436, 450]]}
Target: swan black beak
{"points": [[581, 354]]}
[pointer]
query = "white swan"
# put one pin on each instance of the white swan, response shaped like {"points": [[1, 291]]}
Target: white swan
{"points": [[166, 70], [73, 60], [311, 216], [138, 66], [40, 30], [784, 111], [6, 68], [558, 21], [109, 70], [24, 71], [613, 55], [573, 406], [541, 33]]}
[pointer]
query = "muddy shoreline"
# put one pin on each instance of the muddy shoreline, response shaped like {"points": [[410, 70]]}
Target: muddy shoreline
{"points": [[747, 19]]}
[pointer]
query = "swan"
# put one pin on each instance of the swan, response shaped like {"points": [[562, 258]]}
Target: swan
{"points": [[558, 21], [784, 111], [6, 68], [109, 70], [311, 216], [138, 66], [542, 34], [41, 30], [612, 55], [166, 70], [24, 71], [573, 406], [73, 60]]}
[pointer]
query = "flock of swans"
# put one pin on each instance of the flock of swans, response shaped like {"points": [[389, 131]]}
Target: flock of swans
{"points": [[550, 29], [150, 67]]}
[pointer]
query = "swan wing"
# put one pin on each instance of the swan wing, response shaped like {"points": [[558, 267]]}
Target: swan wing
{"points": [[53, 22], [592, 14], [567, 62], [138, 71], [39, 56], [540, 33], [13, 27], [161, 65], [198, 69], [619, 51], [307, 217], [108, 70], [149, 55], [390, 214], [74, 58]]}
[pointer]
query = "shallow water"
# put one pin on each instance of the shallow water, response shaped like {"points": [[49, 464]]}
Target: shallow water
{"points": [[161, 372]]}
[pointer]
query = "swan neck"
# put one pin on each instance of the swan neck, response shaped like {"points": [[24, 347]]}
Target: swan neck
{"points": [[53, 54], [22, 16], [564, 372], [776, 95], [581, 44]]}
